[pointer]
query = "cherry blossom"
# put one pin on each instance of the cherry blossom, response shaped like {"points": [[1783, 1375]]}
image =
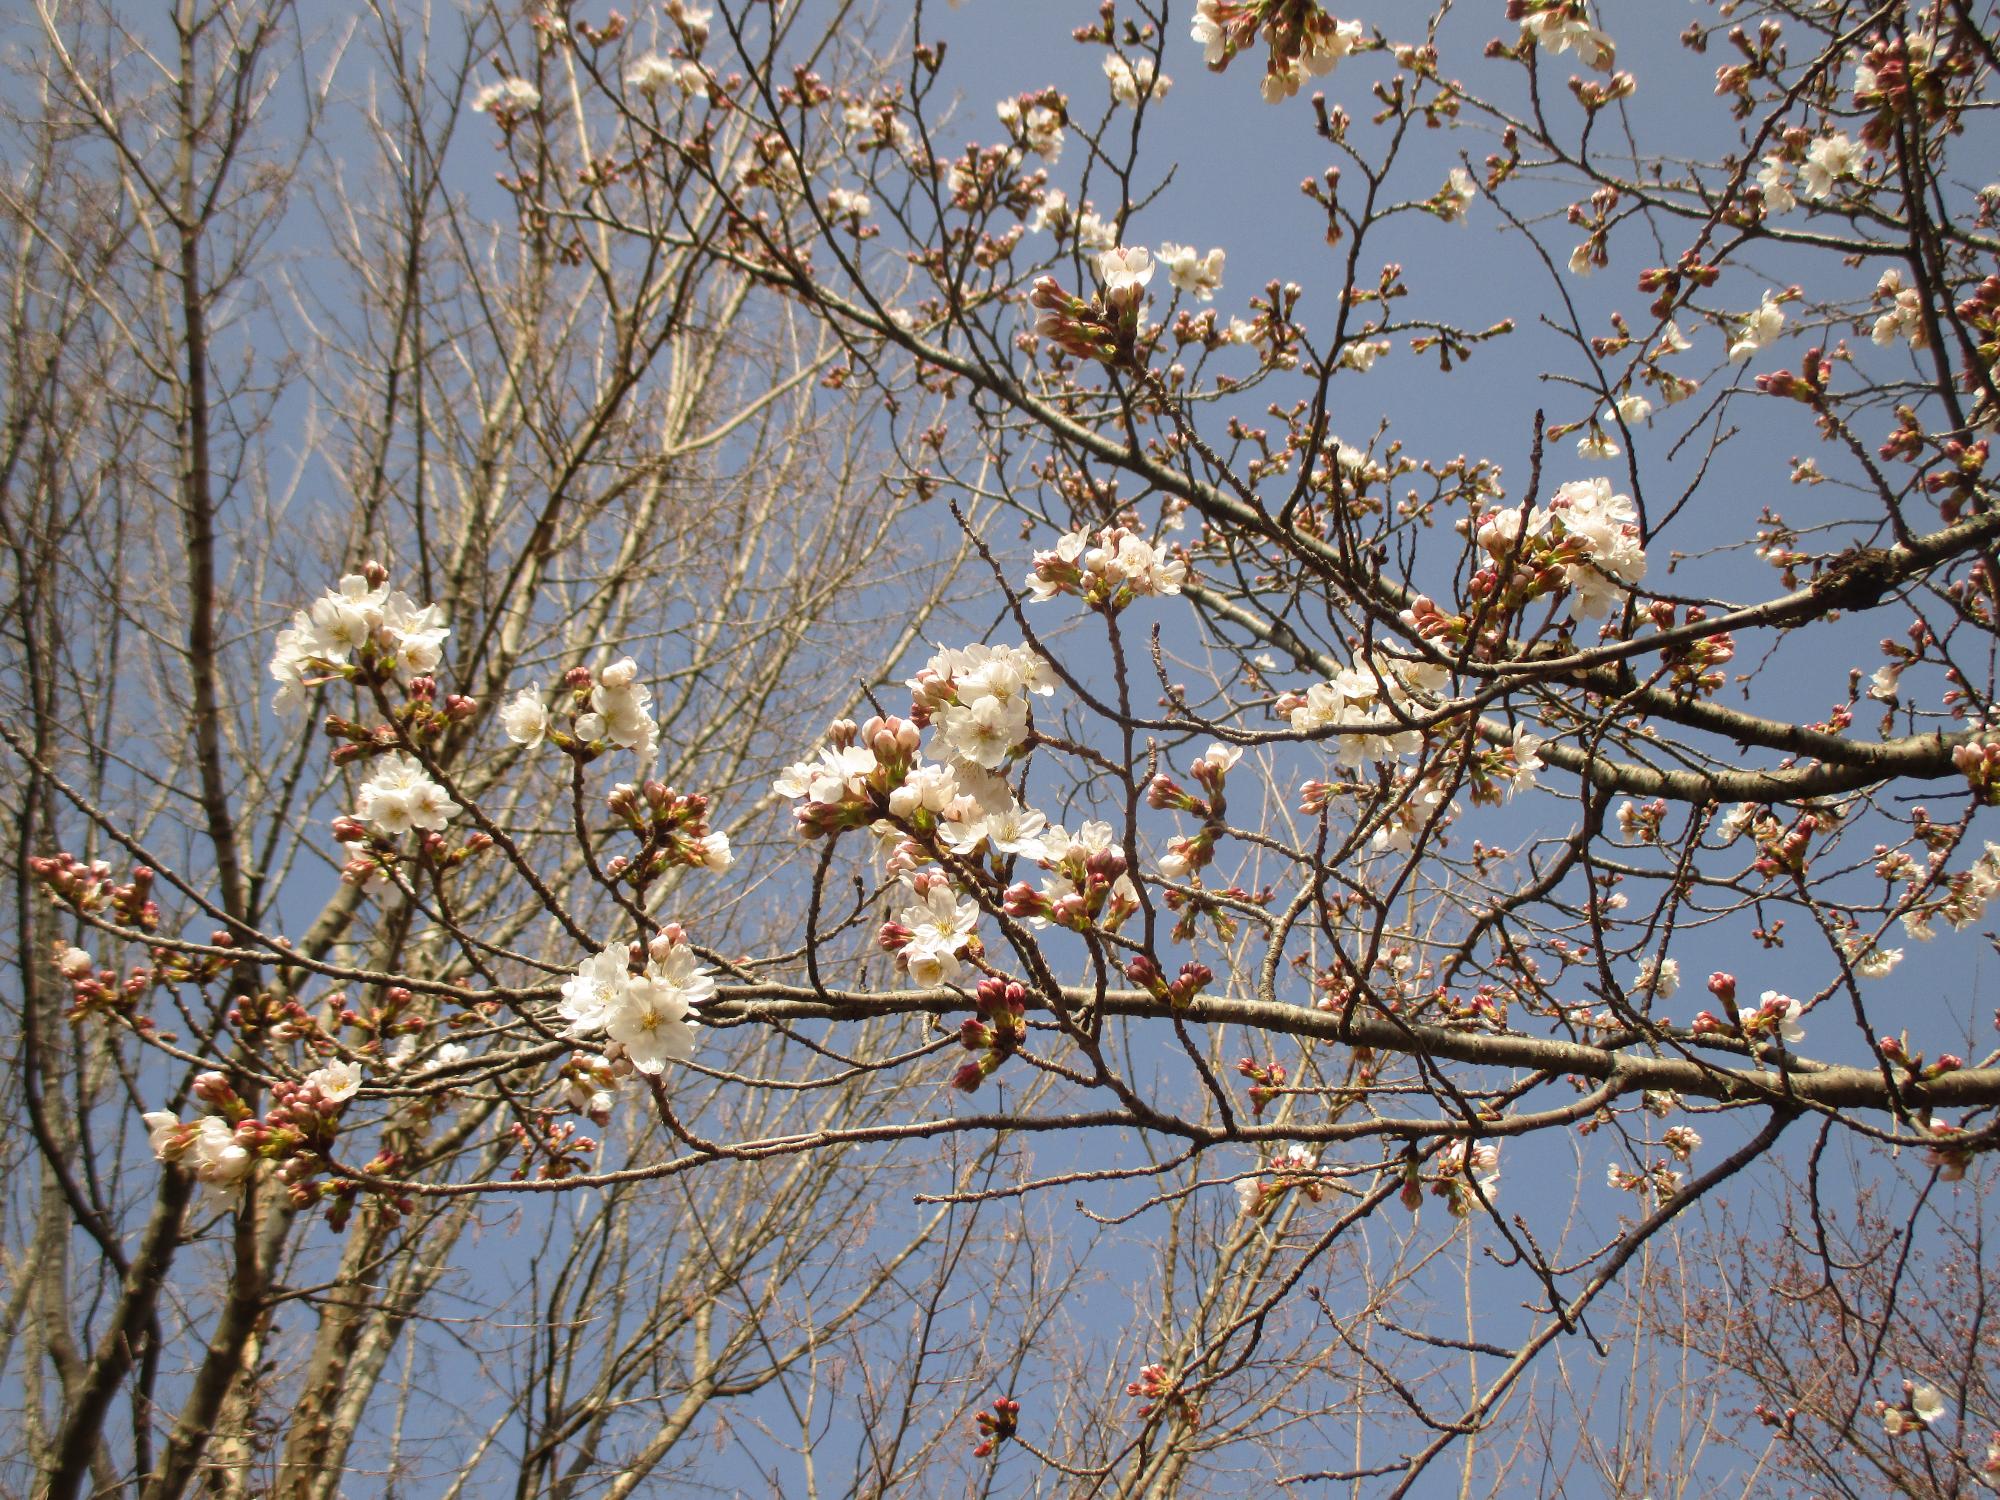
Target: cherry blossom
{"points": [[932, 933], [1189, 272], [401, 796], [1774, 180], [1828, 159], [1132, 81], [524, 717], [508, 99], [1455, 198], [653, 74], [338, 1080], [621, 711], [1905, 317], [1758, 330], [1125, 272], [1558, 26]]}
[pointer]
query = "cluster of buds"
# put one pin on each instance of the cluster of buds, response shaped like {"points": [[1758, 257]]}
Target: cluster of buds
{"points": [[1808, 386], [1192, 906], [371, 850], [674, 829], [1901, 70], [420, 717], [355, 741], [90, 888], [1961, 478], [1267, 1081], [995, 1034], [1640, 822], [1682, 1141], [1465, 1179], [1156, 1388], [1896, 1050], [1496, 773], [551, 1148], [1979, 763], [1186, 856], [394, 1013], [1658, 1182], [1594, 94], [1101, 895], [1522, 566], [996, 1425], [858, 767], [1294, 1168], [1431, 622], [1194, 977], [209, 1146], [171, 966], [102, 991], [1694, 663], [1301, 41], [1094, 328], [1676, 283], [1782, 850], [339, 1197], [1108, 576], [296, 1134], [1775, 1017]]}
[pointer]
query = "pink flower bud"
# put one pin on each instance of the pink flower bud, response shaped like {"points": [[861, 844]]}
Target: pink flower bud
{"points": [[1023, 900]]}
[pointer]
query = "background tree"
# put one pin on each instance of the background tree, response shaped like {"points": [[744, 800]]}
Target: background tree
{"points": [[1308, 825]]}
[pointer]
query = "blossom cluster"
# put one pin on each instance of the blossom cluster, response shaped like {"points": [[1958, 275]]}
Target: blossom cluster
{"points": [[975, 700], [1368, 707], [220, 1148], [360, 629], [1110, 573], [1559, 26], [949, 825], [1302, 41], [1585, 540], [607, 707], [646, 1017], [1294, 1169], [401, 795]]}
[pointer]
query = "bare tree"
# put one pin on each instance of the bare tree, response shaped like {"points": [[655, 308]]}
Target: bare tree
{"points": [[1310, 825]]}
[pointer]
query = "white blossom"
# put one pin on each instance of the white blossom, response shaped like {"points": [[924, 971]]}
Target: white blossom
{"points": [[1659, 979], [401, 796], [843, 203], [1189, 272], [1454, 199], [1828, 159], [1557, 31], [1775, 180], [1125, 269], [525, 717], [1132, 81], [940, 925], [339, 1080], [1759, 329], [652, 74], [510, 96]]}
